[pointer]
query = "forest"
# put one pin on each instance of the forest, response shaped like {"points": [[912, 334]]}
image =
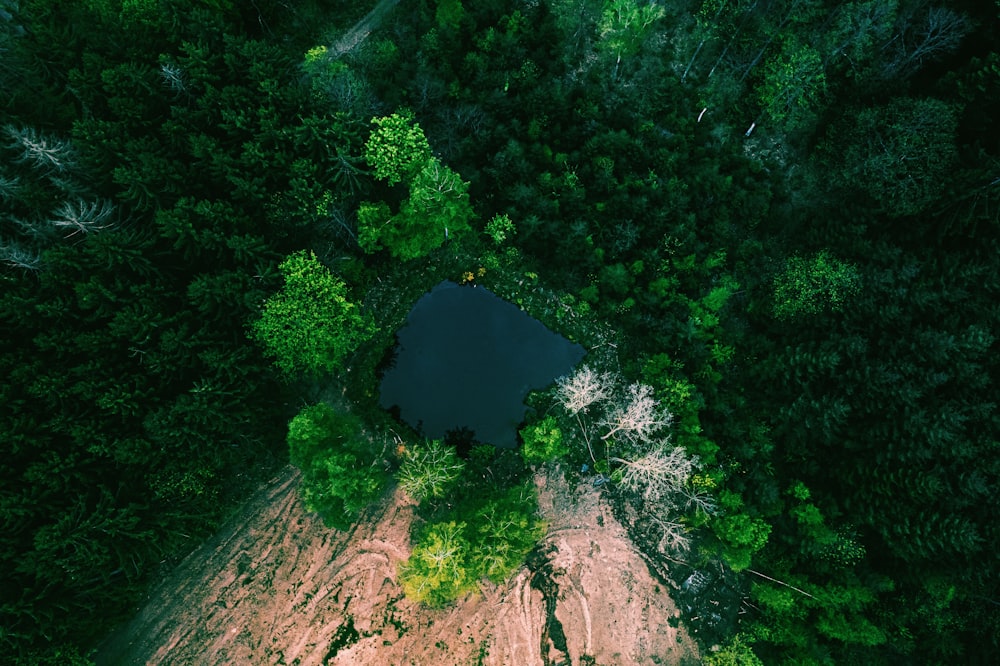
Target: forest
{"points": [[773, 224]]}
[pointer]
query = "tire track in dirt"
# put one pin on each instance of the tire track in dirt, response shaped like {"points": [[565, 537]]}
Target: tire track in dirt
{"points": [[277, 586]]}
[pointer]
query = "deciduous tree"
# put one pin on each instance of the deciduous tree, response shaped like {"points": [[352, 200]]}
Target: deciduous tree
{"points": [[309, 326]]}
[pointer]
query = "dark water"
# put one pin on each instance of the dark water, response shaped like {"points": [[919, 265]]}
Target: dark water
{"points": [[466, 359]]}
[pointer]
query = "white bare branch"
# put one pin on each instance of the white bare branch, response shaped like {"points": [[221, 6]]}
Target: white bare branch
{"points": [[699, 501], [657, 474], [639, 418], [43, 153], [577, 392], [173, 77], [83, 217], [17, 256], [674, 536]]}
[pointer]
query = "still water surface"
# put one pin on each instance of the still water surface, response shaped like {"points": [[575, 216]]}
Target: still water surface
{"points": [[467, 358]]}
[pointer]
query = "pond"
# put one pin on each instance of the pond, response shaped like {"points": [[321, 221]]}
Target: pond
{"points": [[466, 358]]}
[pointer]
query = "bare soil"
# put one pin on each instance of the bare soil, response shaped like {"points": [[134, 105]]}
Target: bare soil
{"points": [[276, 586]]}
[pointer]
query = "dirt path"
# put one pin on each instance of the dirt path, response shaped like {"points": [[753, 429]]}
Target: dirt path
{"points": [[350, 39], [277, 587]]}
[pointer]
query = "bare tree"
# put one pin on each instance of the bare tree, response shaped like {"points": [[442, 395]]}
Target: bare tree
{"points": [[585, 387], [578, 392], [657, 475], [638, 419], [173, 77], [43, 153], [83, 217], [14, 254], [940, 32], [674, 536]]}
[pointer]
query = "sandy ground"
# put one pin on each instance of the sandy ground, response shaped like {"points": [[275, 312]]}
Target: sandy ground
{"points": [[277, 587]]}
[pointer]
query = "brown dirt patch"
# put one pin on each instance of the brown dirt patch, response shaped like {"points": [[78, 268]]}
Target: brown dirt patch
{"points": [[276, 586]]}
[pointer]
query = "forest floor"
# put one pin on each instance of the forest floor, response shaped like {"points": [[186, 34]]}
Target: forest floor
{"points": [[275, 586]]}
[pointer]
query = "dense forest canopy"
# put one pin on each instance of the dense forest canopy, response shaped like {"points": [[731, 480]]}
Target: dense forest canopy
{"points": [[775, 219]]}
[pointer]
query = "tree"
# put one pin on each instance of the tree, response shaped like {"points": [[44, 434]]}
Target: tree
{"points": [[342, 473], [438, 570], [625, 25], [581, 390], [737, 652], [428, 470], [923, 36], [437, 210], [809, 286], [585, 387], [636, 417], [902, 154], [397, 149], [309, 326], [543, 442], [656, 475], [792, 84]]}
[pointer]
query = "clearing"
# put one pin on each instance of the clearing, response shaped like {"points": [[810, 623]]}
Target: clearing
{"points": [[276, 586]]}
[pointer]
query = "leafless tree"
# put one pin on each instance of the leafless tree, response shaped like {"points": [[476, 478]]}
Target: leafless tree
{"points": [[173, 77], [577, 392], [674, 536], [37, 151], [637, 418], [938, 32], [14, 254], [83, 217], [662, 472]]}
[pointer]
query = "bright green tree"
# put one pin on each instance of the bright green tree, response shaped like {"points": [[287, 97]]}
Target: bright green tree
{"points": [[811, 285], [625, 25], [794, 80], [736, 652], [437, 210], [397, 149], [429, 469], [438, 571], [309, 326], [543, 441], [341, 473]]}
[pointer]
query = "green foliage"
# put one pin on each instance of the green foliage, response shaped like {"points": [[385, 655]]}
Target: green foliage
{"points": [[437, 208], [543, 442], [793, 83], [809, 286], [449, 13], [902, 154], [309, 326], [159, 158], [342, 473], [397, 149], [439, 569], [450, 557], [506, 530], [500, 228], [428, 470], [737, 652], [625, 24]]}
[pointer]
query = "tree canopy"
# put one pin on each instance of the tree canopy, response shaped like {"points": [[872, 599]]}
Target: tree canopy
{"points": [[309, 326]]}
